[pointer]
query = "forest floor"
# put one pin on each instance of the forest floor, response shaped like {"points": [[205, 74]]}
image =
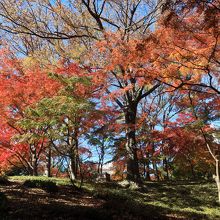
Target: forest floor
{"points": [[164, 200]]}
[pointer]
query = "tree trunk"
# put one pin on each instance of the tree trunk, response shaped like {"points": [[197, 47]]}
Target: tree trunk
{"points": [[73, 154], [48, 162], [72, 168], [34, 160], [101, 166], [131, 148], [102, 157], [156, 170], [76, 157], [148, 167], [192, 171], [148, 172], [144, 169], [217, 178], [72, 164], [165, 167], [98, 169]]}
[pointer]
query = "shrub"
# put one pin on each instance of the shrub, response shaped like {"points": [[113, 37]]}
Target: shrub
{"points": [[4, 180], [48, 186], [30, 183]]}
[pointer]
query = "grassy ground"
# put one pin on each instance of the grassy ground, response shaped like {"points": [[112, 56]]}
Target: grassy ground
{"points": [[58, 181], [182, 200]]}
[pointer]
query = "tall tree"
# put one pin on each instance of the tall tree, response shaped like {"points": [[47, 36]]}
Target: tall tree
{"points": [[127, 77], [20, 89]]}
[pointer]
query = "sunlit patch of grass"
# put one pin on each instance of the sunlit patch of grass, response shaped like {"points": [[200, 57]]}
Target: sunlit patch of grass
{"points": [[58, 181], [193, 200]]}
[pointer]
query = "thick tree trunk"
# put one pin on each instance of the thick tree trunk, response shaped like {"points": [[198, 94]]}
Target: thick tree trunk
{"points": [[74, 155], [73, 165], [131, 148], [35, 172]]}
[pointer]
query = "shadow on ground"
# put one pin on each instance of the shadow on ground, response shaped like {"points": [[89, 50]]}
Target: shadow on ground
{"points": [[26, 203]]}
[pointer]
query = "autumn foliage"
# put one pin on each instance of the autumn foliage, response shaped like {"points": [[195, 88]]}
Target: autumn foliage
{"points": [[147, 103]]}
